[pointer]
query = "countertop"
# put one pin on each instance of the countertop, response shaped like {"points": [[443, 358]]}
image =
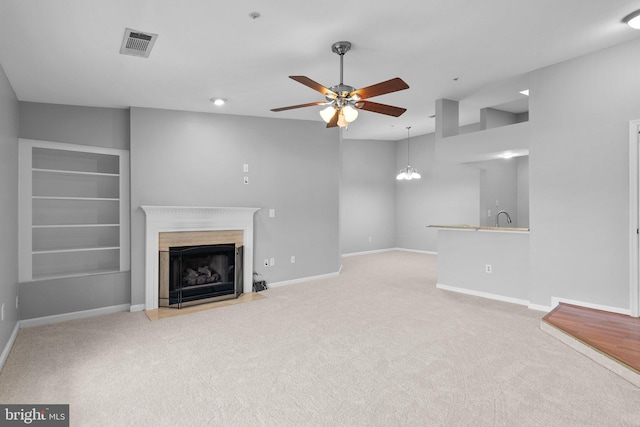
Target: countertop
{"points": [[479, 228]]}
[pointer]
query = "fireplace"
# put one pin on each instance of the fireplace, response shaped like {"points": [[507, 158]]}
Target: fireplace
{"points": [[199, 266], [168, 227], [191, 275]]}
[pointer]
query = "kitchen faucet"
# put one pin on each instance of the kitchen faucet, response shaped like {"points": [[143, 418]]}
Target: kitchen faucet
{"points": [[498, 217]]}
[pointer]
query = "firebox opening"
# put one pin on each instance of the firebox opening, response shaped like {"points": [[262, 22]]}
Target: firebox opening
{"points": [[203, 273]]}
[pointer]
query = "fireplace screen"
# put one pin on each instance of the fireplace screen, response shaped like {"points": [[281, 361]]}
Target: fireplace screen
{"points": [[198, 274]]}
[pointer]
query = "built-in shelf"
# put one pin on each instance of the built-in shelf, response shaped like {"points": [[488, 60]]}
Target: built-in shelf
{"points": [[74, 210]]}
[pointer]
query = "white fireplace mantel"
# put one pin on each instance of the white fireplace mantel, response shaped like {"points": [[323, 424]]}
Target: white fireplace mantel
{"points": [[160, 219]]}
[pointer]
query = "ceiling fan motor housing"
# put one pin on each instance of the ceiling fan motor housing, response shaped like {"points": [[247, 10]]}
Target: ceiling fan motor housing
{"points": [[341, 47]]}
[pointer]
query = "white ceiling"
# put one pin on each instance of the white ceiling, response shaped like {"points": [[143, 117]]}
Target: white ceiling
{"points": [[67, 52]]}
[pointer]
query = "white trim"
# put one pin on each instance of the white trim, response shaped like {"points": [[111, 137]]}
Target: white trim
{"points": [[377, 251], [483, 294], [556, 300], [539, 307], [303, 279], [417, 251], [25, 225], [9, 346], [136, 307], [193, 218], [634, 258], [56, 318]]}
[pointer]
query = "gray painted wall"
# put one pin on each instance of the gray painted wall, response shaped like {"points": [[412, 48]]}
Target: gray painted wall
{"points": [[8, 207], [368, 196], [102, 127], [446, 194], [196, 159], [579, 171], [498, 191], [523, 192], [465, 254]]}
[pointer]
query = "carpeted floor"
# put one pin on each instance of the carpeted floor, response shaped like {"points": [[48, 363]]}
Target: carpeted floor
{"points": [[377, 346]]}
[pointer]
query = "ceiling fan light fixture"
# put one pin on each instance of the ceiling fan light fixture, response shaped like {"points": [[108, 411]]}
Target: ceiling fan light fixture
{"points": [[345, 100], [350, 113], [327, 113], [342, 121]]}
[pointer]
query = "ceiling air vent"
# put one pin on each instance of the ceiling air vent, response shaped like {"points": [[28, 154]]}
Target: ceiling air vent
{"points": [[137, 43]]}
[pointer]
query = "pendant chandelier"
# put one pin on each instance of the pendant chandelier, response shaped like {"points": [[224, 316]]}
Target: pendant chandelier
{"points": [[408, 172]]}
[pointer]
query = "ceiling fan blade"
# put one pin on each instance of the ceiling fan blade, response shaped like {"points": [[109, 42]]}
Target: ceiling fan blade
{"points": [[381, 88], [375, 107], [291, 107], [313, 84], [334, 121]]}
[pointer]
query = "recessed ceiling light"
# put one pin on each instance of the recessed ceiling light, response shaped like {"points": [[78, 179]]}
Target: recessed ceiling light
{"points": [[254, 15], [525, 92], [633, 20], [219, 101]]}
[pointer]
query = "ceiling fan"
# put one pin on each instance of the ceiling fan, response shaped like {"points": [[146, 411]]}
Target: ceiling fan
{"points": [[343, 101]]}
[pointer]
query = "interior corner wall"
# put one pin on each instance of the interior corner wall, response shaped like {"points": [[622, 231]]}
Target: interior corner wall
{"points": [[93, 126], [367, 196], [196, 159], [579, 176], [447, 194], [9, 125]]}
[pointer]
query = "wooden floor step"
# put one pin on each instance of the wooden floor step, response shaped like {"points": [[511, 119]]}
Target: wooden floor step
{"points": [[610, 339]]}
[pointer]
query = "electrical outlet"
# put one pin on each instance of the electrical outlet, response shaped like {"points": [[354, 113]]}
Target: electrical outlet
{"points": [[272, 213], [487, 268], [488, 213], [293, 259], [266, 262], [17, 302], [2, 313], [246, 179], [272, 262], [245, 168], [370, 238]]}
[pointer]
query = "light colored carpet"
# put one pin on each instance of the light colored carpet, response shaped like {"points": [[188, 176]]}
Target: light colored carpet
{"points": [[377, 346]]}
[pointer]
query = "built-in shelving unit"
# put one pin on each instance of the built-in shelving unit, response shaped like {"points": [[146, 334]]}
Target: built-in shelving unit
{"points": [[74, 210]]}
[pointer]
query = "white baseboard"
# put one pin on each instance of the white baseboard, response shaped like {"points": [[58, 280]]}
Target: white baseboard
{"points": [[556, 300], [7, 348], [538, 307], [302, 280], [483, 294], [416, 251], [137, 307], [46, 320], [377, 251]]}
